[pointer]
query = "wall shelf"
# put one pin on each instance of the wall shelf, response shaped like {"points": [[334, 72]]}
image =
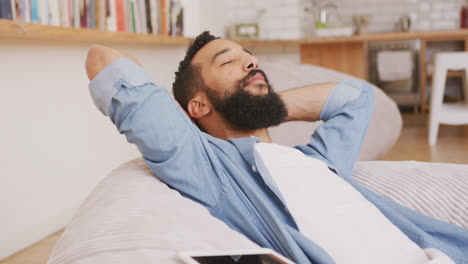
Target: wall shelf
{"points": [[18, 30]]}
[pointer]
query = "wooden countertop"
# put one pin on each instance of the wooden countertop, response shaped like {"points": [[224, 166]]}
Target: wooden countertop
{"points": [[19, 30], [444, 35]]}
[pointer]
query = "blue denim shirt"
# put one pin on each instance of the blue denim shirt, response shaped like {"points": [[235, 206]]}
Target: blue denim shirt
{"points": [[222, 174]]}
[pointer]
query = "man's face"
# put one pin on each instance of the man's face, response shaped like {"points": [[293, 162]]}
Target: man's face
{"points": [[237, 88]]}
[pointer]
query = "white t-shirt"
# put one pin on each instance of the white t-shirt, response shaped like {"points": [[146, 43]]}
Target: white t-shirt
{"points": [[334, 215]]}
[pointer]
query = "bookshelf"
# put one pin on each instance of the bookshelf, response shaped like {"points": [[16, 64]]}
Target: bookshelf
{"points": [[19, 30]]}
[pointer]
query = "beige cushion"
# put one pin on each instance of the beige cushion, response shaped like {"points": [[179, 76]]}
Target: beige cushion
{"points": [[385, 126]]}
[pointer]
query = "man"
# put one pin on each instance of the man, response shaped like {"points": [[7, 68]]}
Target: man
{"points": [[218, 153]]}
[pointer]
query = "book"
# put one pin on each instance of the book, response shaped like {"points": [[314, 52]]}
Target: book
{"points": [[111, 19], [176, 18], [164, 17], [128, 15], [43, 11], [70, 12], [83, 11], [13, 9], [34, 12], [54, 13], [132, 12], [19, 7], [120, 15], [6, 10], [64, 13], [148, 16], [100, 14], [91, 13], [26, 11], [76, 13], [137, 16], [142, 13]]}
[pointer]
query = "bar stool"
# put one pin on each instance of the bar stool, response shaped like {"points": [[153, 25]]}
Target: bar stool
{"points": [[447, 113]]}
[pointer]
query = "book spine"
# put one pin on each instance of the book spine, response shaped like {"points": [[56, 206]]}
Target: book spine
{"points": [[19, 4], [63, 7], [99, 14], [143, 21], [137, 9], [27, 11], [34, 12], [128, 15], [6, 11], [91, 14], [132, 11], [149, 26], [42, 14], [76, 13], [170, 14], [164, 17], [180, 21], [54, 13], [13, 9], [154, 16], [83, 18], [70, 12], [111, 18], [120, 15]]}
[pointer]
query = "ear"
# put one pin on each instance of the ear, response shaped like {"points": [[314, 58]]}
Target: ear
{"points": [[198, 107]]}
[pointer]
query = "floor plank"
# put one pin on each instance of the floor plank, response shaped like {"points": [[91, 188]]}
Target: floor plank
{"points": [[35, 254], [451, 147]]}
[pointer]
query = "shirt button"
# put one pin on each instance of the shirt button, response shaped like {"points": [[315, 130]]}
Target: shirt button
{"points": [[254, 169]]}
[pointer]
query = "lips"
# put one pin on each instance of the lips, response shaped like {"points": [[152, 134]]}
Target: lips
{"points": [[257, 78]]}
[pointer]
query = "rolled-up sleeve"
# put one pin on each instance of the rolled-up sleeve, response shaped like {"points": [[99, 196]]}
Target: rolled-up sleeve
{"points": [[346, 114], [120, 72]]}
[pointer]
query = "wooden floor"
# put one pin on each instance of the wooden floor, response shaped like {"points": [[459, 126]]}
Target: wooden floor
{"points": [[452, 147], [35, 254]]}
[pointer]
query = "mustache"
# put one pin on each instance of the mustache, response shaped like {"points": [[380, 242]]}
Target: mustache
{"points": [[243, 82]]}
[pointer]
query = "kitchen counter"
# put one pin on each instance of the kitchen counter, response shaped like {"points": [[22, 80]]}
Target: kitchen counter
{"points": [[423, 35]]}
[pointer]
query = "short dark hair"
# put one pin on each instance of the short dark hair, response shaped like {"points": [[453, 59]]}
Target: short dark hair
{"points": [[188, 79]]}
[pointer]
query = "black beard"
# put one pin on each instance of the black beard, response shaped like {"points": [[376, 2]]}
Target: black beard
{"points": [[246, 111]]}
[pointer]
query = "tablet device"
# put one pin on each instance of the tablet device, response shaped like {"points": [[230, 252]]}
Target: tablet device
{"points": [[251, 256]]}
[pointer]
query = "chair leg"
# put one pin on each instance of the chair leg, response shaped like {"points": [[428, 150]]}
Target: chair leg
{"points": [[465, 85], [433, 131], [437, 98]]}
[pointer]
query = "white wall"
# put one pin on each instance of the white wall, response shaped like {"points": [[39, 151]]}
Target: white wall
{"points": [[425, 14], [55, 145], [279, 19]]}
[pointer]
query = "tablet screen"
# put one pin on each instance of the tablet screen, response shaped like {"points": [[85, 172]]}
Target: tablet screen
{"points": [[243, 259]]}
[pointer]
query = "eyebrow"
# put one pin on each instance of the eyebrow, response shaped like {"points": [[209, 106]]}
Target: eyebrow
{"points": [[227, 50], [220, 53]]}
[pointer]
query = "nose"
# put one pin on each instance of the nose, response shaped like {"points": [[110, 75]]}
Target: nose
{"points": [[251, 63]]}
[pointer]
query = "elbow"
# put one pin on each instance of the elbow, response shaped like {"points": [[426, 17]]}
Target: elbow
{"points": [[98, 58], [91, 60]]}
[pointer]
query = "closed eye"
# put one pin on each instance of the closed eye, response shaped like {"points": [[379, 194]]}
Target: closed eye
{"points": [[227, 62]]}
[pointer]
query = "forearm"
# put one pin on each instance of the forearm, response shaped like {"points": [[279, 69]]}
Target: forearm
{"points": [[305, 103], [99, 57]]}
